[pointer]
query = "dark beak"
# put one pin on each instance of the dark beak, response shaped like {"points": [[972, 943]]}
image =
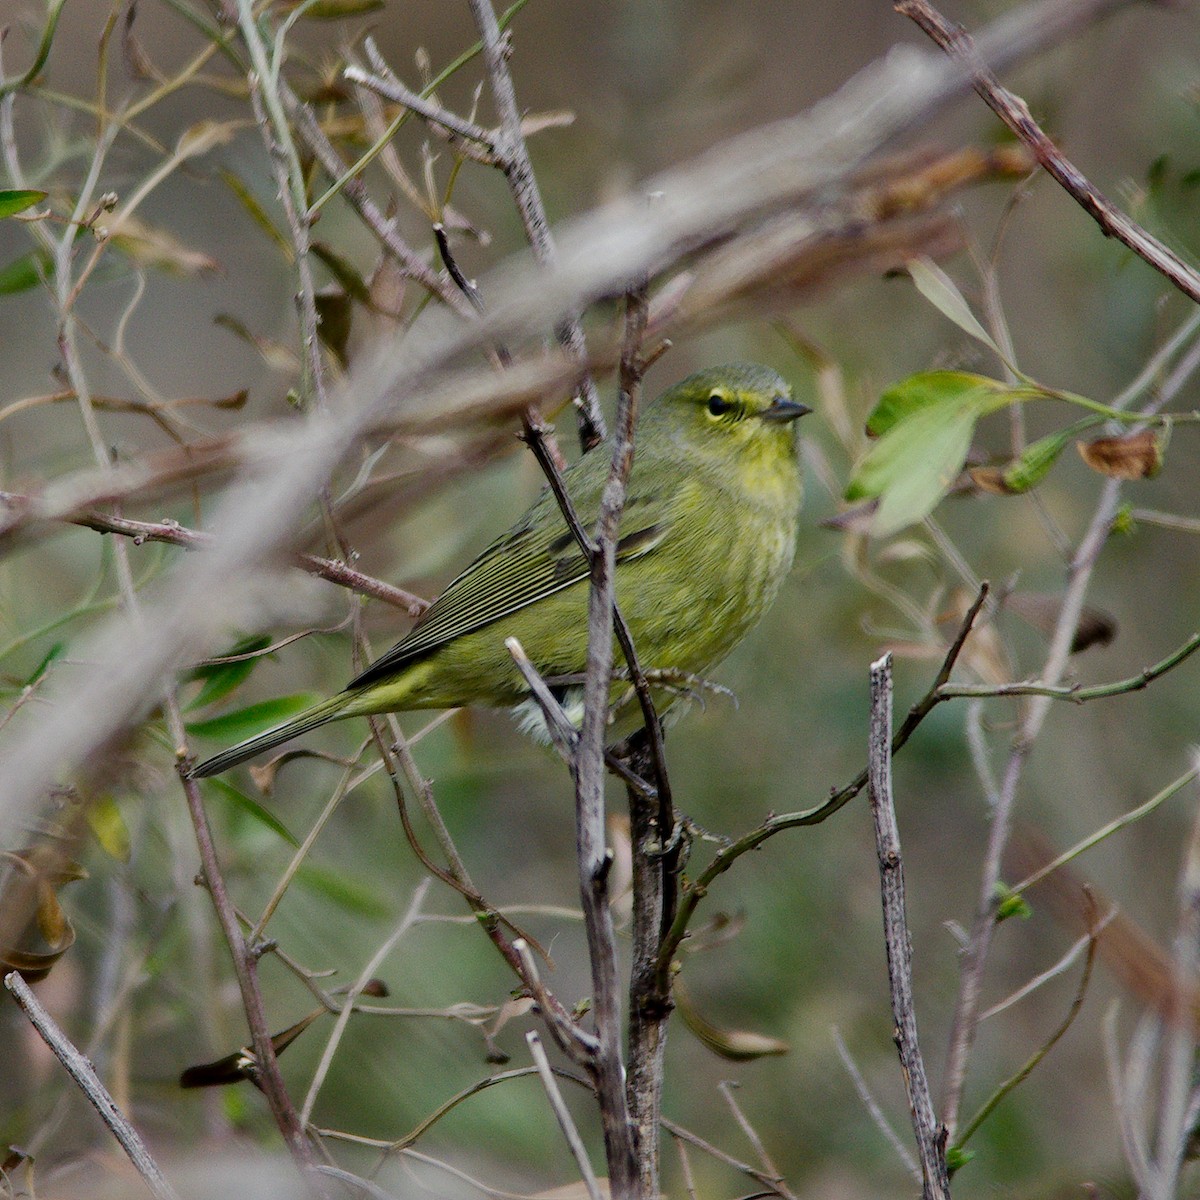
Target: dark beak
{"points": [[783, 409]]}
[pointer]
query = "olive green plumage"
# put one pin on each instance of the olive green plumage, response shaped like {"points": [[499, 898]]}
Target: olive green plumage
{"points": [[706, 538]]}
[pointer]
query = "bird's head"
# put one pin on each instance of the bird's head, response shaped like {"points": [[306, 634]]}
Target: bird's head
{"points": [[740, 412]]}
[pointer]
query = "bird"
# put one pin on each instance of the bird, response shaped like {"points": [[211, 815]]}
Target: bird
{"points": [[706, 537]]}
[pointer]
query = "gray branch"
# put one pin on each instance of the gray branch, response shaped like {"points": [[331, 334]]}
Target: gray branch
{"points": [[84, 1074], [930, 1134]]}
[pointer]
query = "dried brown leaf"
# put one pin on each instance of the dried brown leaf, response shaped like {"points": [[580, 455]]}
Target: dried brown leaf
{"points": [[1134, 456]]}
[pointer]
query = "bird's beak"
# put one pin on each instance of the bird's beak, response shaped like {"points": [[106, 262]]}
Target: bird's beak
{"points": [[783, 409]]}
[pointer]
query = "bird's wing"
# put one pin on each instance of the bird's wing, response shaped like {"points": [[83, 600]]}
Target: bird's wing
{"points": [[536, 558]]}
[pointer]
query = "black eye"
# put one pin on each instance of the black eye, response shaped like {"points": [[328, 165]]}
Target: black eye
{"points": [[718, 405]]}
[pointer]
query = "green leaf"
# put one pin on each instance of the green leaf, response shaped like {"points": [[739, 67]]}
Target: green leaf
{"points": [[334, 10], [926, 423], [221, 678], [18, 200], [54, 652], [336, 886], [942, 292], [25, 272], [925, 390], [254, 718], [1035, 462], [344, 271], [252, 809], [1011, 904], [957, 1157], [258, 214]]}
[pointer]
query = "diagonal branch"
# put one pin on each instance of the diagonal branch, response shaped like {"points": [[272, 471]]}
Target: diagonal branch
{"points": [[1014, 112]]}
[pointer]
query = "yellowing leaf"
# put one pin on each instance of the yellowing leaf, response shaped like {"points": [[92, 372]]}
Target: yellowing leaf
{"points": [[942, 292], [106, 822]]}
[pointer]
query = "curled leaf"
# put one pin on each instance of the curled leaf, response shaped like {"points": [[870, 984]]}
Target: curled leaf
{"points": [[737, 1045], [34, 931], [1134, 456], [1042, 611]]}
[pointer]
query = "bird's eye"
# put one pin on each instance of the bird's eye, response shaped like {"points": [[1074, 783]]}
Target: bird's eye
{"points": [[718, 406]]}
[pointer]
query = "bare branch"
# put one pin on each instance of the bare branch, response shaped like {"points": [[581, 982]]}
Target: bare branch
{"points": [[1014, 112], [84, 1074], [930, 1133], [562, 1115], [509, 146]]}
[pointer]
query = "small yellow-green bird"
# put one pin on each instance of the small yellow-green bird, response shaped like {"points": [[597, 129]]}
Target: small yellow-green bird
{"points": [[706, 538]]}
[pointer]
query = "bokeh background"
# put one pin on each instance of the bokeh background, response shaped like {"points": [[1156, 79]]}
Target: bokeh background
{"points": [[650, 85]]}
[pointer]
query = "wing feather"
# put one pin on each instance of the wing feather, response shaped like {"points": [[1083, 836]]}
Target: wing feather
{"points": [[533, 560]]}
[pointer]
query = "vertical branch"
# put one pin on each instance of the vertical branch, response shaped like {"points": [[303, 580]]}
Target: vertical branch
{"points": [[650, 1003], [594, 857], [652, 823], [245, 962], [518, 170], [1179, 1040], [930, 1135]]}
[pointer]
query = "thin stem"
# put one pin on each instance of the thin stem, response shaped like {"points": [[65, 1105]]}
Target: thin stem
{"points": [[510, 147], [563, 1115]]}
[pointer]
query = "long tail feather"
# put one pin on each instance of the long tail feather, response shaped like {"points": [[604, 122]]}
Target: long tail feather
{"points": [[327, 710]]}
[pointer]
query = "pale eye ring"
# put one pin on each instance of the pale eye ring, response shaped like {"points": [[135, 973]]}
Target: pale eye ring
{"points": [[718, 405]]}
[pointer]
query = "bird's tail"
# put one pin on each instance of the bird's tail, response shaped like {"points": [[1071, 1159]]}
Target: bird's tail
{"points": [[327, 710]]}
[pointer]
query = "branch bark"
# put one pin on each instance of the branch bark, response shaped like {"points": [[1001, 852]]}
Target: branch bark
{"points": [[930, 1134]]}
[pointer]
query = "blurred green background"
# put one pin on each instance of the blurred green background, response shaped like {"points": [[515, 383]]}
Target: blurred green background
{"points": [[650, 84]]}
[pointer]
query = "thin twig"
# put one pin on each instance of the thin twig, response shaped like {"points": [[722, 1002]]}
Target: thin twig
{"points": [[572, 1040], [518, 170], [776, 1186], [355, 192], [872, 1106], [1014, 112], [1074, 692], [562, 733], [563, 1115], [1105, 831], [1178, 1071], [369, 971], [989, 1105], [930, 1133], [84, 1074], [172, 533], [725, 858], [726, 1088], [1076, 948], [390, 88]]}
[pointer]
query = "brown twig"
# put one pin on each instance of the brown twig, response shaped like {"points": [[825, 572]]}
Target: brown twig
{"points": [[245, 957], [930, 1134], [355, 192], [385, 84], [172, 533], [509, 147], [84, 1074], [562, 1114], [1014, 112], [594, 856]]}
